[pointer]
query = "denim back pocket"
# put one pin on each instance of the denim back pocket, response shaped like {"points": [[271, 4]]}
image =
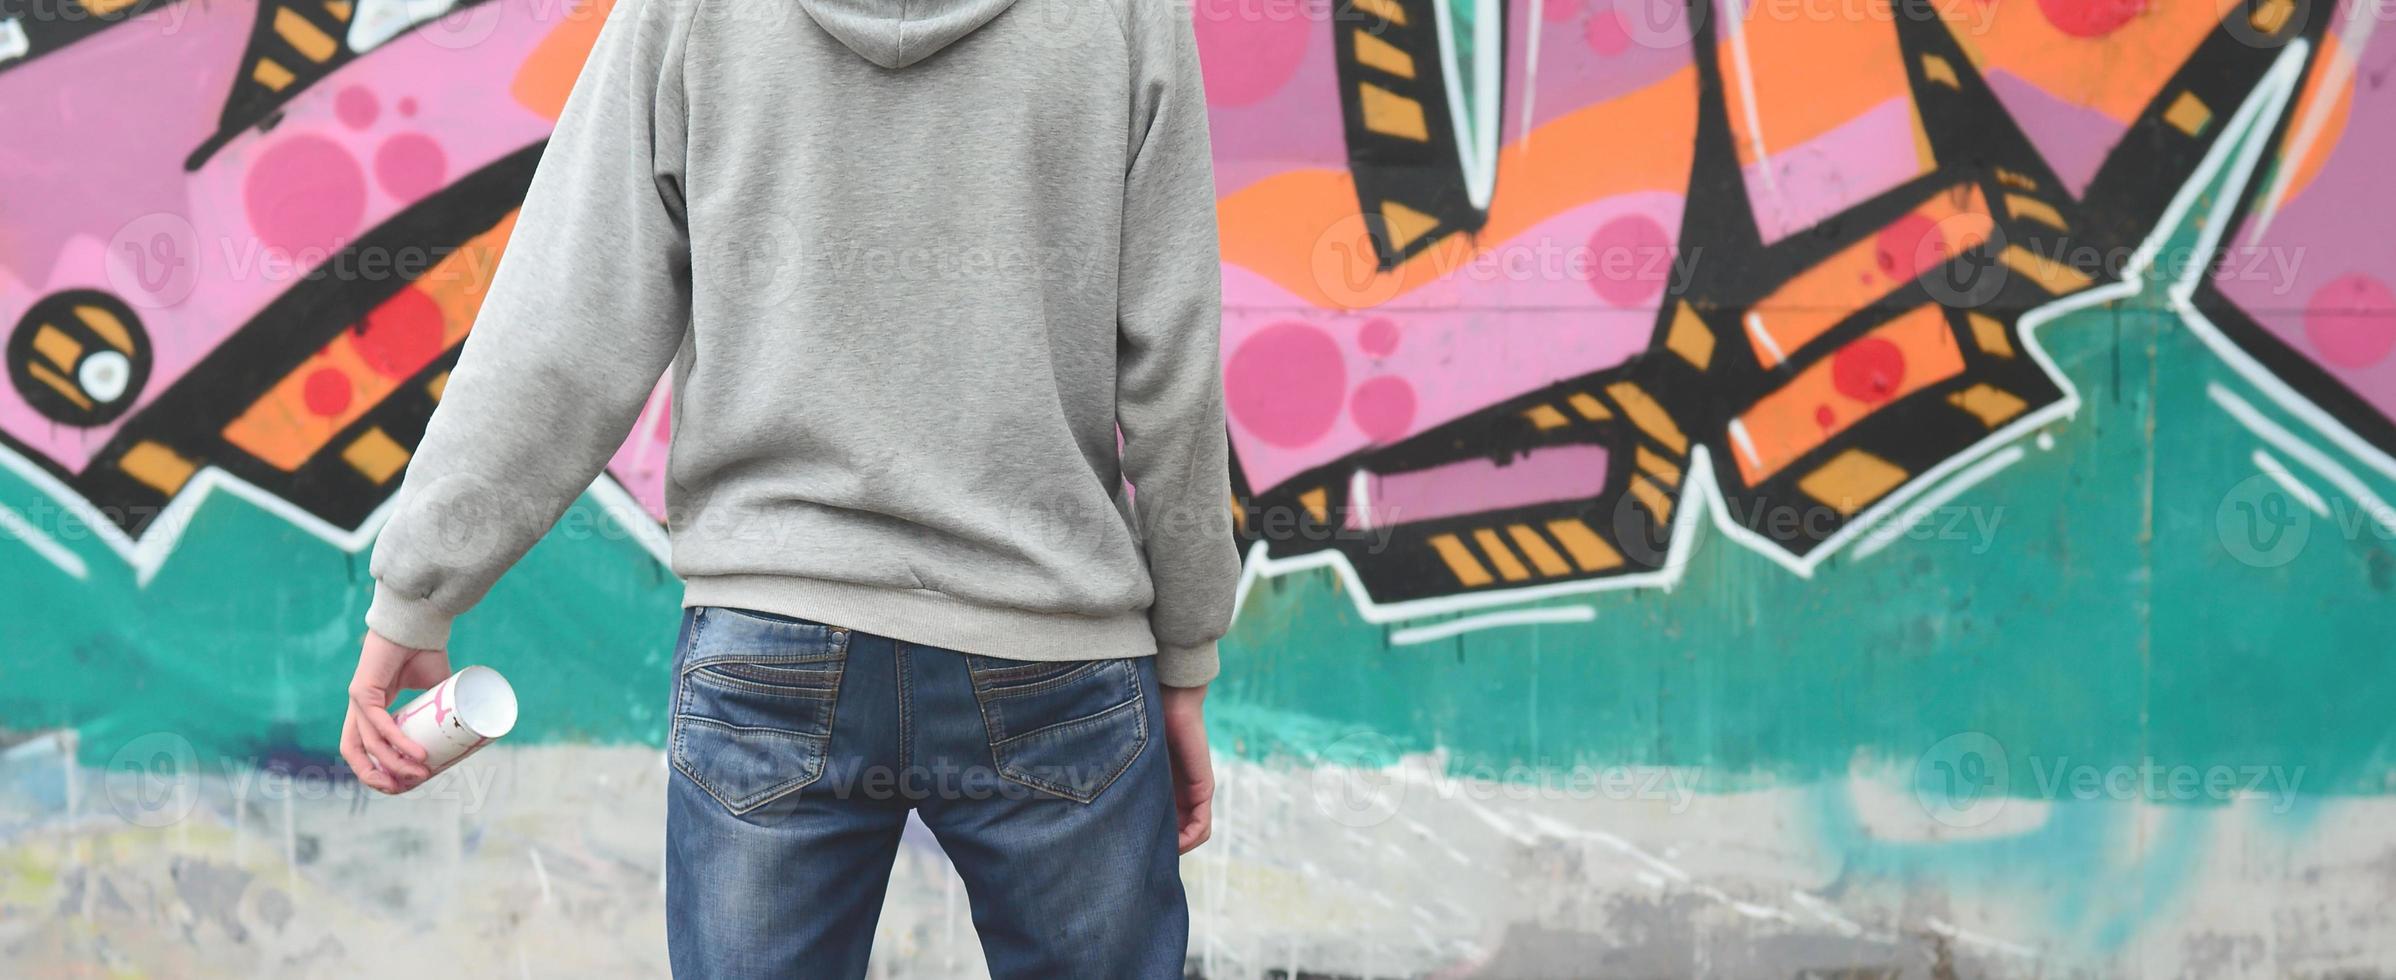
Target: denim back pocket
{"points": [[1066, 728], [753, 701]]}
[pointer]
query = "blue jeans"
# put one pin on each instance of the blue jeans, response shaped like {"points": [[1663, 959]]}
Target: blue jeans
{"points": [[798, 749]]}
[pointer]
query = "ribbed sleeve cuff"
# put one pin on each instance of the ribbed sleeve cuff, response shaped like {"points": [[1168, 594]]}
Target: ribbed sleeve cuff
{"points": [[413, 622], [1185, 666]]}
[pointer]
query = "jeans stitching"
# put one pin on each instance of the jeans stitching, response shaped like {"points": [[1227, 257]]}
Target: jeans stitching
{"points": [[681, 719], [1050, 684], [787, 692], [995, 674], [997, 737], [906, 701]]}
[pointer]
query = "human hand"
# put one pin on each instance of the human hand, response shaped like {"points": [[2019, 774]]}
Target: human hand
{"points": [[1193, 768], [382, 756]]}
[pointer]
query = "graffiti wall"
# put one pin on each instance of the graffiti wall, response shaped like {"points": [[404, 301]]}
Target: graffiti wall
{"points": [[1780, 488]]}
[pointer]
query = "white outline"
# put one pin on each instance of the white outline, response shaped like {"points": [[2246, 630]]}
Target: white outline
{"points": [[1734, 18], [2361, 19], [2304, 452], [2282, 394], [1360, 501], [2290, 482], [1744, 443], [13, 44], [1530, 71], [1703, 492], [147, 554], [1477, 146], [1886, 534], [14, 525], [1763, 337], [1486, 621]]}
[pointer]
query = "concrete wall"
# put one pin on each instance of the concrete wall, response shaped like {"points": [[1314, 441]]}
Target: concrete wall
{"points": [[1772, 489]]}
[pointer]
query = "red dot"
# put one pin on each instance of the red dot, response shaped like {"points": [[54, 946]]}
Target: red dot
{"points": [[1286, 384], [2090, 18], [1868, 370], [1383, 408], [1825, 418], [410, 165], [402, 335], [356, 107], [1379, 337], [1910, 247], [326, 392]]}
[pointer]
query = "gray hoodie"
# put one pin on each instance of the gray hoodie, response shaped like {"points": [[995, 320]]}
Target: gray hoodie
{"points": [[913, 264]]}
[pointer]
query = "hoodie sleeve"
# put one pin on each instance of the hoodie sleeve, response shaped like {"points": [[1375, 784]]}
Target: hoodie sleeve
{"points": [[1169, 394], [590, 302]]}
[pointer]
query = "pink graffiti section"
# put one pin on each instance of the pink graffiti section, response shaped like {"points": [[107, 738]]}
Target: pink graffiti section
{"points": [[97, 196], [2317, 273], [1573, 294]]}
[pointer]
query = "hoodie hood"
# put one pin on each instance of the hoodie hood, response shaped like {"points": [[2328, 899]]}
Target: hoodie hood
{"points": [[898, 33]]}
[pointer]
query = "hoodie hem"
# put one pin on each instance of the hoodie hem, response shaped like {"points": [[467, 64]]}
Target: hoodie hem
{"points": [[930, 618]]}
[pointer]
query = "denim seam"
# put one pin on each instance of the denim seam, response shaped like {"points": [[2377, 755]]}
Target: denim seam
{"points": [[768, 659], [681, 718], [813, 772], [906, 702], [767, 795], [997, 674], [789, 692], [1050, 684], [1139, 745], [997, 737]]}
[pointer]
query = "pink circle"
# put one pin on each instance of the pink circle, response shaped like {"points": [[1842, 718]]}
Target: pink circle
{"points": [[1629, 260], [326, 392], [1383, 408], [407, 106], [1245, 59], [2352, 321], [1556, 10], [305, 194], [356, 107], [1285, 384], [1379, 337], [410, 165], [1605, 33]]}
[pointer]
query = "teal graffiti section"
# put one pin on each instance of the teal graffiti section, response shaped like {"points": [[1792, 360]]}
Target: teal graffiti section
{"points": [[2098, 603]]}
